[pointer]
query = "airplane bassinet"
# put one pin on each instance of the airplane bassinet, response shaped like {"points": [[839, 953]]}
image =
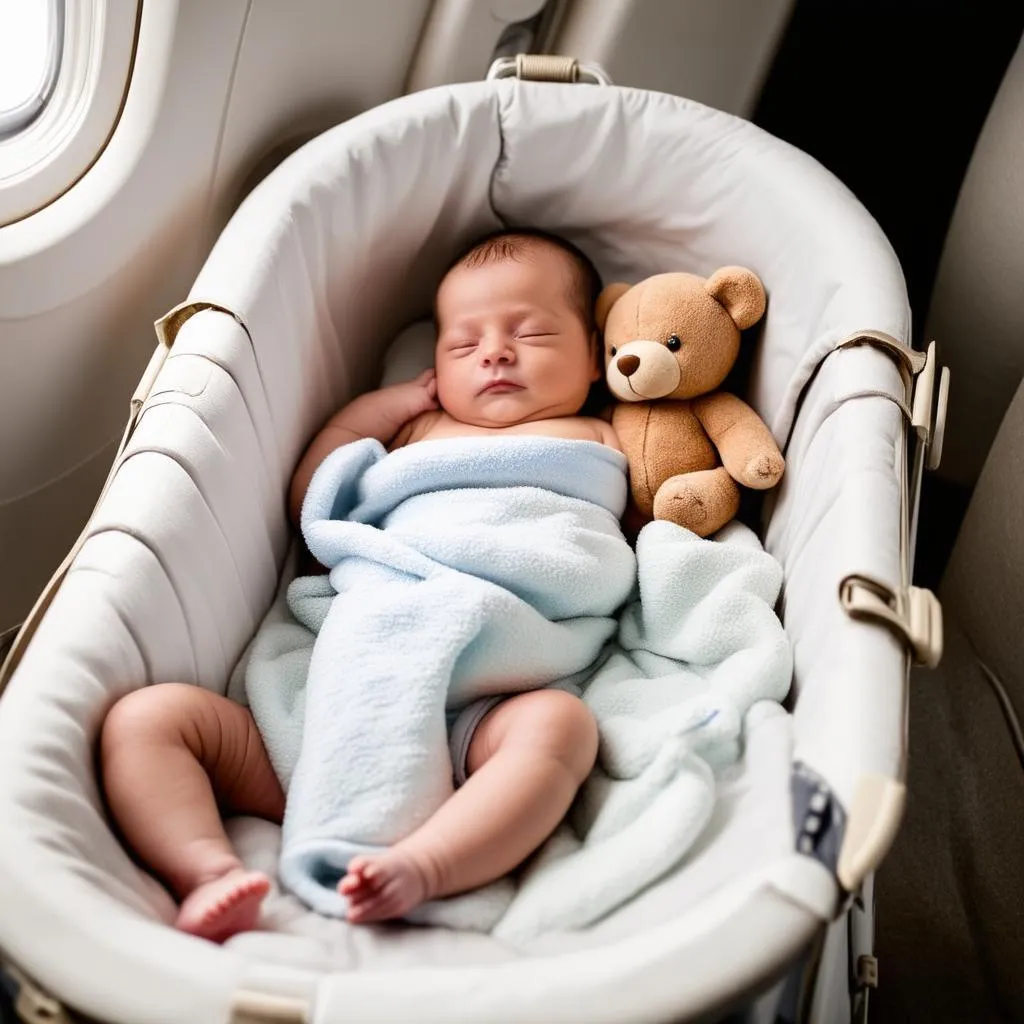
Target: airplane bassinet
{"points": [[322, 265]]}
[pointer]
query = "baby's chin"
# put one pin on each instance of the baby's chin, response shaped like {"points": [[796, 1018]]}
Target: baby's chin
{"points": [[497, 411]]}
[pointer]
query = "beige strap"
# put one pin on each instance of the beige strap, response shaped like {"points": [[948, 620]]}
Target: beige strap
{"points": [[167, 328], [878, 393], [248, 1007], [927, 388], [912, 613], [537, 67], [909, 358]]}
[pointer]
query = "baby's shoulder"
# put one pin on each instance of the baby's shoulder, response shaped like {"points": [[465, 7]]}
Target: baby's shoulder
{"points": [[417, 428], [602, 431]]}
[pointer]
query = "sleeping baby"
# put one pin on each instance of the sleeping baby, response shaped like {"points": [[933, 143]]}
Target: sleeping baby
{"points": [[516, 355]]}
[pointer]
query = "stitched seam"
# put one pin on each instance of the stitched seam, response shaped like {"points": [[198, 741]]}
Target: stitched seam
{"points": [[124, 620], [120, 531], [174, 457]]}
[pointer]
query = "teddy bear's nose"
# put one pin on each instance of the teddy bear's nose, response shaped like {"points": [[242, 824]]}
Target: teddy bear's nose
{"points": [[628, 365]]}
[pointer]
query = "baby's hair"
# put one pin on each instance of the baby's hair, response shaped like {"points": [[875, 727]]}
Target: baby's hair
{"points": [[515, 243]]}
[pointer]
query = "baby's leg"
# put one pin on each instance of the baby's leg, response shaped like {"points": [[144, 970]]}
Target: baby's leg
{"points": [[526, 761], [174, 758]]}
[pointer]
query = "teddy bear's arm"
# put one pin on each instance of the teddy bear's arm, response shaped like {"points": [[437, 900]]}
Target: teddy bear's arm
{"points": [[748, 450]]}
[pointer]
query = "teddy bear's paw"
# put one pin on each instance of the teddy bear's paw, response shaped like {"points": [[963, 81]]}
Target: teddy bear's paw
{"points": [[764, 470], [702, 502], [683, 506]]}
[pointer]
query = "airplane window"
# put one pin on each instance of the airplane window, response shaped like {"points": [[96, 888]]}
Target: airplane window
{"points": [[30, 47], [64, 74]]}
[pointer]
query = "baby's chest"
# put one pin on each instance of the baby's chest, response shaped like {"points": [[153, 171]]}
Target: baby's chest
{"points": [[573, 430]]}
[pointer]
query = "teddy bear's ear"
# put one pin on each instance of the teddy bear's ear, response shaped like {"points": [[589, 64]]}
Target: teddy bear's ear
{"points": [[608, 297], [741, 292]]}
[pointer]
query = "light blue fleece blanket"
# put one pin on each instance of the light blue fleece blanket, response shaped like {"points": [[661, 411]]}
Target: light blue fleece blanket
{"points": [[471, 567]]}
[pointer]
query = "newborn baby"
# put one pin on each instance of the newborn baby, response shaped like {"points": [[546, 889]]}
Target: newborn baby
{"points": [[516, 353]]}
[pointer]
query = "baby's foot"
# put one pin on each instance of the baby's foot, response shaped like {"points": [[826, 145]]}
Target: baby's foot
{"points": [[224, 906], [383, 886]]}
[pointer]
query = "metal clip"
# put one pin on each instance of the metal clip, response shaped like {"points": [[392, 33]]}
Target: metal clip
{"points": [[912, 613], [867, 971], [928, 417], [867, 979]]}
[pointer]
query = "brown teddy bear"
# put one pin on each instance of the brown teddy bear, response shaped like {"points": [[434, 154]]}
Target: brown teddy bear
{"points": [[669, 342]]}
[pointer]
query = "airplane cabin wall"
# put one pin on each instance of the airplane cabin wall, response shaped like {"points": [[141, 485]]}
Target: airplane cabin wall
{"points": [[214, 88], [218, 94]]}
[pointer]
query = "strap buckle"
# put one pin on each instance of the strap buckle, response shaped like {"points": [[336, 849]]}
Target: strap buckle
{"points": [[912, 613]]}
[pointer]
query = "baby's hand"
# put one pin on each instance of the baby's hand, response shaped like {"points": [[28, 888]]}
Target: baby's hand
{"points": [[427, 380], [406, 401]]}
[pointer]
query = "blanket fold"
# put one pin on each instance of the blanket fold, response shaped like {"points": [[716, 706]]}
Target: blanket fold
{"points": [[472, 567], [460, 569]]}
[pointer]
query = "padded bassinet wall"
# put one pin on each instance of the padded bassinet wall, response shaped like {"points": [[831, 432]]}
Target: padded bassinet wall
{"points": [[336, 250], [643, 181]]}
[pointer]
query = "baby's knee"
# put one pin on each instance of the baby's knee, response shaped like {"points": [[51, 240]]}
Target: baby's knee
{"points": [[148, 716], [569, 730]]}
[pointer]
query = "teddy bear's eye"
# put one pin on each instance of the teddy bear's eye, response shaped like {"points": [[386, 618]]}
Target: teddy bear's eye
{"points": [[674, 344], [614, 350]]}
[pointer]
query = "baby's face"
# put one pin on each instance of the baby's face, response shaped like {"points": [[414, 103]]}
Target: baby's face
{"points": [[512, 346]]}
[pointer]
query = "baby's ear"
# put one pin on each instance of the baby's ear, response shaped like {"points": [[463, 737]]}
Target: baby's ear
{"points": [[608, 297]]}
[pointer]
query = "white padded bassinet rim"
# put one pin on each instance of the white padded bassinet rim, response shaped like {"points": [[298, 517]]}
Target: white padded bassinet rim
{"points": [[644, 181], [683, 184]]}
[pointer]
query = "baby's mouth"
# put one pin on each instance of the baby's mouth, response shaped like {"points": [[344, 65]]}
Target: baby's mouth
{"points": [[500, 386]]}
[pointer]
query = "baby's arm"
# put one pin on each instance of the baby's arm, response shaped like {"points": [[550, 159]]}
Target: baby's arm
{"points": [[380, 414]]}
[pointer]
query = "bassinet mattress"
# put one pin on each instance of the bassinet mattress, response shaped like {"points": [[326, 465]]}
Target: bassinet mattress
{"points": [[322, 264]]}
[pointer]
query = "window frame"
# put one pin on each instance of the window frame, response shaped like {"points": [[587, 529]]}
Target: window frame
{"points": [[76, 116], [18, 118]]}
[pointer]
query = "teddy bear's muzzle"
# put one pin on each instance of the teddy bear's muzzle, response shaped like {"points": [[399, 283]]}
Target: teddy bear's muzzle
{"points": [[643, 370]]}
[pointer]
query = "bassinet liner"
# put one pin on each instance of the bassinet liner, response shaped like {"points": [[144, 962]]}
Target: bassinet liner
{"points": [[318, 270]]}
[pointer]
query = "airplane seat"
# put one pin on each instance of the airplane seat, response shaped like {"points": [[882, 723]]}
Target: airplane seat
{"points": [[977, 306], [950, 893]]}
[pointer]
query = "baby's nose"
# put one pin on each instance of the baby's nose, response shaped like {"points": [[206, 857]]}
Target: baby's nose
{"points": [[628, 365], [496, 352]]}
